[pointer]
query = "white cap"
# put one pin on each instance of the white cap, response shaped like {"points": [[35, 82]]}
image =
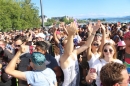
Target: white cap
{"points": [[41, 35]]}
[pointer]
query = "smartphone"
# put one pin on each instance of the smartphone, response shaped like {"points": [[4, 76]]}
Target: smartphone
{"points": [[92, 70]]}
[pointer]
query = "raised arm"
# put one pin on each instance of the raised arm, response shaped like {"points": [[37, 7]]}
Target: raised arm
{"points": [[88, 51], [90, 39], [10, 69], [103, 39], [55, 36], [69, 46], [65, 29]]}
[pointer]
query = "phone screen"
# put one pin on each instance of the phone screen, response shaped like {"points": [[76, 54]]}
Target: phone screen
{"points": [[92, 70]]}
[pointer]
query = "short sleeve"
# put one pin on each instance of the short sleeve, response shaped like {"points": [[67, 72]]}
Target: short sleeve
{"points": [[29, 77]]}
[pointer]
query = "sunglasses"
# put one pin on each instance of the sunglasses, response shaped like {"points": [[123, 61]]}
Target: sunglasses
{"points": [[95, 44], [110, 50], [18, 45]]}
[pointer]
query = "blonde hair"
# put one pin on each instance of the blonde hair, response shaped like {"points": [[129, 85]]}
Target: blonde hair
{"points": [[109, 44]]}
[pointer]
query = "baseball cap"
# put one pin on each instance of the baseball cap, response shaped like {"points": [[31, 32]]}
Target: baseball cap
{"points": [[38, 59], [127, 35]]}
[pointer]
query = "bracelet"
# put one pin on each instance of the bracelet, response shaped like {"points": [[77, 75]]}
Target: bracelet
{"points": [[93, 34]]}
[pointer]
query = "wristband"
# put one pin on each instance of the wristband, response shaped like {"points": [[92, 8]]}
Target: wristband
{"points": [[93, 34]]}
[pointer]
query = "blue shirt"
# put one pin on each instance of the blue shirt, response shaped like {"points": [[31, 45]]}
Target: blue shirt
{"points": [[41, 78], [51, 61]]}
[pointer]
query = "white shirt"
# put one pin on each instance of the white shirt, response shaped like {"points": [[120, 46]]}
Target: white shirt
{"points": [[92, 60], [98, 64]]}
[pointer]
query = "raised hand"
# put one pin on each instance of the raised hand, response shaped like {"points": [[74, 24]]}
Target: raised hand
{"points": [[90, 29], [103, 27], [72, 28], [22, 48], [96, 26]]}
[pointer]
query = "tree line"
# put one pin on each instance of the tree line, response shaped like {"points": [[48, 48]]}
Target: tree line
{"points": [[18, 15]]}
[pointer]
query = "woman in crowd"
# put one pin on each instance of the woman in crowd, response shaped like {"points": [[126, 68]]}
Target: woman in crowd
{"points": [[108, 55]]}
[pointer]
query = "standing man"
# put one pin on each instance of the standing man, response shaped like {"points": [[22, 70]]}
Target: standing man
{"points": [[24, 57], [51, 62]]}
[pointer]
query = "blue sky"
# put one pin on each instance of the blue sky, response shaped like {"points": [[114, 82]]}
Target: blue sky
{"points": [[84, 8]]}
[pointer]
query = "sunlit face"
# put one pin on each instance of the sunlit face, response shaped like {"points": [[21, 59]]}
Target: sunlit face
{"points": [[18, 43], [95, 45], [108, 51]]}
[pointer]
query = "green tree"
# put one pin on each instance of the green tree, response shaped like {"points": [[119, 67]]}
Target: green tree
{"points": [[18, 14], [64, 19]]}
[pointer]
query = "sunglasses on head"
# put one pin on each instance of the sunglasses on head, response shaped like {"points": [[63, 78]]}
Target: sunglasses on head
{"points": [[95, 44], [110, 50]]}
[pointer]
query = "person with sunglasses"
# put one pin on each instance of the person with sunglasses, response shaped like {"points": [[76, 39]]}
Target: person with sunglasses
{"points": [[23, 65], [108, 55], [94, 50], [40, 76]]}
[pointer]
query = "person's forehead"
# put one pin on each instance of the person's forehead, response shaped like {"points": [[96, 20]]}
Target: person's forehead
{"points": [[108, 46], [18, 42], [125, 74]]}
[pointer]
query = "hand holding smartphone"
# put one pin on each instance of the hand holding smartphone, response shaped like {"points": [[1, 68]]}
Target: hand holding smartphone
{"points": [[92, 70]]}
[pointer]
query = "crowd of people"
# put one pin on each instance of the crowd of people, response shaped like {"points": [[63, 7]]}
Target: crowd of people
{"points": [[95, 54]]}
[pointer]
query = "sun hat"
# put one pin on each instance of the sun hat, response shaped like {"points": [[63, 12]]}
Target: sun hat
{"points": [[38, 59], [121, 43]]}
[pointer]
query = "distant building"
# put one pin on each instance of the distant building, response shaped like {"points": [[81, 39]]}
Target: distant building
{"points": [[45, 18], [58, 18]]}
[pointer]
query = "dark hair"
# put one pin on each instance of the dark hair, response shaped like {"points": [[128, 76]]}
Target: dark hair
{"points": [[43, 45], [110, 74], [22, 38], [1, 51]]}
